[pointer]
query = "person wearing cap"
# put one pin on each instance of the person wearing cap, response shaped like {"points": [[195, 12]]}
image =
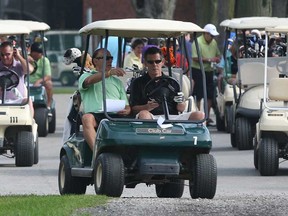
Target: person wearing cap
{"points": [[210, 55], [74, 55], [42, 71], [135, 56]]}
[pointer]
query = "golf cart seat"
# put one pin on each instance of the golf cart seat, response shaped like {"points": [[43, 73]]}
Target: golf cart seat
{"points": [[252, 73], [278, 89], [186, 88]]}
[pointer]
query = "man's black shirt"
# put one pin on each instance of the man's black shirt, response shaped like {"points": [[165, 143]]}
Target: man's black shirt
{"points": [[138, 97]]}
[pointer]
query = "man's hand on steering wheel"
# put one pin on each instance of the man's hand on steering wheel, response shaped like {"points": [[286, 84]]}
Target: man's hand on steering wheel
{"points": [[179, 98]]}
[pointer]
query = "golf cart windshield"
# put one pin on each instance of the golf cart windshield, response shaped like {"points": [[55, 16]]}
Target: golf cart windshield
{"points": [[11, 83]]}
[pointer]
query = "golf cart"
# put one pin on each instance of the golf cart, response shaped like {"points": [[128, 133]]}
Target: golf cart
{"points": [[45, 118], [18, 136], [131, 151], [245, 111], [271, 139]]}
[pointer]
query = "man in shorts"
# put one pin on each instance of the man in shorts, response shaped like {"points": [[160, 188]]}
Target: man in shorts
{"points": [[210, 55], [90, 87]]}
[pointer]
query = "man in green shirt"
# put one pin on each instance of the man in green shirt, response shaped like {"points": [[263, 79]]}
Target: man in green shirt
{"points": [[41, 65], [210, 55], [90, 87]]}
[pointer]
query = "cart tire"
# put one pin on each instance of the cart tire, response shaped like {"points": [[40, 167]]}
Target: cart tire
{"points": [[36, 150], [220, 123], [109, 175], [244, 137], [233, 139], [228, 118], [68, 184], [204, 177], [173, 189], [268, 157], [52, 123], [24, 149], [256, 158], [41, 118]]}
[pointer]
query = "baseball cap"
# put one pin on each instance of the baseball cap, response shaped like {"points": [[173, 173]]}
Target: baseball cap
{"points": [[70, 55], [211, 29], [37, 47]]}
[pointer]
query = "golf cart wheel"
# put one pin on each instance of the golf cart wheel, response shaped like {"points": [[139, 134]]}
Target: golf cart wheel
{"points": [[228, 118], [255, 148], [24, 149], [204, 177], [109, 175], [173, 189], [244, 137], [67, 78], [233, 139], [36, 150], [41, 118], [68, 184], [52, 122], [220, 123], [268, 157]]}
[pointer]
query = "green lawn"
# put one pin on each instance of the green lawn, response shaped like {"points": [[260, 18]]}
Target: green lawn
{"points": [[57, 205], [64, 90]]}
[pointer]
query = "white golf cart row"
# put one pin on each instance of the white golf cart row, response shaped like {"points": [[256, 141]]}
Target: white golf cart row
{"points": [[271, 139], [244, 113]]}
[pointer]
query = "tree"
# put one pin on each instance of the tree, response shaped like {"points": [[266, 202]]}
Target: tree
{"points": [[159, 9]]}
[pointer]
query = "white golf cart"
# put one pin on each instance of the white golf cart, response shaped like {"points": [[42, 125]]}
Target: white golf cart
{"points": [[245, 111], [271, 139], [46, 124], [131, 151], [18, 130]]}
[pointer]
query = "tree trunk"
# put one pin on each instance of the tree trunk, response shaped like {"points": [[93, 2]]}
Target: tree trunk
{"points": [[245, 8], [158, 9]]}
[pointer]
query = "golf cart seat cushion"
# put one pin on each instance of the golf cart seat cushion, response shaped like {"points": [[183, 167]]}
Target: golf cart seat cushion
{"points": [[278, 89], [252, 73]]}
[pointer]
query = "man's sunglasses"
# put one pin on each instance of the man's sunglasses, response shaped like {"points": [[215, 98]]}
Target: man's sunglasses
{"points": [[107, 57], [155, 61]]}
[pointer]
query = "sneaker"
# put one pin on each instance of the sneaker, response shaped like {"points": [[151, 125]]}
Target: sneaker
{"points": [[210, 122]]}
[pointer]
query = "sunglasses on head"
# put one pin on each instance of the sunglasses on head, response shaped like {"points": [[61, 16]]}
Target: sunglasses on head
{"points": [[107, 57], [154, 61]]}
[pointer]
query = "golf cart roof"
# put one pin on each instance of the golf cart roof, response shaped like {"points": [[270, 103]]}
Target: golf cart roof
{"points": [[277, 29], [252, 22], [141, 27], [13, 29], [32, 25]]}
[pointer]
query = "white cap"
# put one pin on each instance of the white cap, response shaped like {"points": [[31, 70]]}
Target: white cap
{"points": [[70, 55], [211, 29]]}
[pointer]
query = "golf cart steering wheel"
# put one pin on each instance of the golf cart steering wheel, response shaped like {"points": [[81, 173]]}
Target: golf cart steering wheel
{"points": [[8, 79], [161, 88], [281, 67]]}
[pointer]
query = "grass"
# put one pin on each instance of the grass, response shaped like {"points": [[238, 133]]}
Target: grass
{"points": [[64, 90], [33, 205]]}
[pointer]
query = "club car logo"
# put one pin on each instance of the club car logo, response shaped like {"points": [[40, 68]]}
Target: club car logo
{"points": [[159, 131]]}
